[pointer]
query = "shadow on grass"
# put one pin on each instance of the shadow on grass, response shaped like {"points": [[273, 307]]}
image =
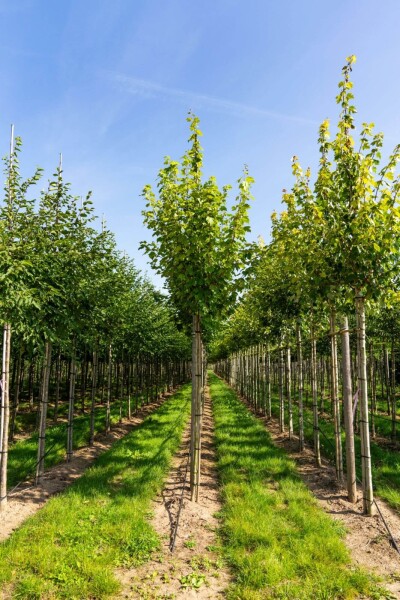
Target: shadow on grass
{"points": [[69, 549], [23, 454], [277, 540]]}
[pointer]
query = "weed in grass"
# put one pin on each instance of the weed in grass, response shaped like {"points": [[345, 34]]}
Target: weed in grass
{"points": [[190, 543], [213, 548], [201, 563], [192, 580]]}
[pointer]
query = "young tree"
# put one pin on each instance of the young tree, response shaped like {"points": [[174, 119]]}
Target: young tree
{"points": [[199, 246]]}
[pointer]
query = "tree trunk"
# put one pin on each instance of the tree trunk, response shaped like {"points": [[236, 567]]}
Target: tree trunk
{"points": [[348, 413], [281, 404], [71, 403], [44, 402], [368, 494], [196, 408], [16, 394], [393, 391], [289, 391], [58, 380], [5, 414], [387, 376], [335, 398], [300, 386], [269, 402], [314, 393], [93, 398], [108, 405]]}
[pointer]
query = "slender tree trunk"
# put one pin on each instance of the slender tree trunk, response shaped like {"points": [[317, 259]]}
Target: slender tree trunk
{"points": [[58, 381], [108, 405], [196, 409], [5, 414], [314, 393], [281, 404], [300, 386], [44, 402], [93, 397], [393, 391], [387, 377], [335, 398], [368, 494], [269, 402], [16, 395], [71, 403], [348, 413], [289, 390]]}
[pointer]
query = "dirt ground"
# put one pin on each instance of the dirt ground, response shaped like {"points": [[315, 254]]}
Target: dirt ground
{"points": [[193, 569], [27, 499], [367, 537]]}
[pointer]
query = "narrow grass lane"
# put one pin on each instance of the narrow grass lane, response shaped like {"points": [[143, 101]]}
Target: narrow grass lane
{"points": [[72, 546], [277, 540], [23, 454]]}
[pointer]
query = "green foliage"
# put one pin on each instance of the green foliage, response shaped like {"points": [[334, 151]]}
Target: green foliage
{"points": [[199, 245]]}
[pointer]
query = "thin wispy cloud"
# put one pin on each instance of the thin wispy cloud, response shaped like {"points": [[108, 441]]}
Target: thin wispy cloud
{"points": [[151, 89]]}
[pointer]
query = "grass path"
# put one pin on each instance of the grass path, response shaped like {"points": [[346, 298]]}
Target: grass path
{"points": [[23, 454], [72, 546], [277, 540]]}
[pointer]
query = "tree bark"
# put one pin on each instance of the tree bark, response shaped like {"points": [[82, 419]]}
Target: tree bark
{"points": [[314, 393], [196, 408], [289, 391], [335, 398], [348, 413], [5, 414], [368, 494], [93, 397], [44, 402], [108, 404], [300, 386], [281, 404], [71, 403]]}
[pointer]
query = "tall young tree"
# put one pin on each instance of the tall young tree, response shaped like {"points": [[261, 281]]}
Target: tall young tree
{"points": [[199, 246], [17, 298]]}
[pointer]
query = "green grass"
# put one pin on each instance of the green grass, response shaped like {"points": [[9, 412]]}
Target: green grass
{"points": [[23, 454], [71, 547], [277, 540], [385, 462]]}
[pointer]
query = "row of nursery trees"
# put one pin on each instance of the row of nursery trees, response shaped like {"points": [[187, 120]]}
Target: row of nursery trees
{"points": [[333, 258], [77, 314]]}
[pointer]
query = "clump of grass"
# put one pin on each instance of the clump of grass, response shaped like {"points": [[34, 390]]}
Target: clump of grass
{"points": [[277, 540], [71, 547]]}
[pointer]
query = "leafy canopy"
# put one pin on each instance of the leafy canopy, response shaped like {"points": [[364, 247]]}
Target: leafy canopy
{"points": [[199, 245]]}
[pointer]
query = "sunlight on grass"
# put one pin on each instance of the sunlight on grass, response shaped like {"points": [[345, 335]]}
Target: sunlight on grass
{"points": [[70, 548], [23, 454], [278, 541]]}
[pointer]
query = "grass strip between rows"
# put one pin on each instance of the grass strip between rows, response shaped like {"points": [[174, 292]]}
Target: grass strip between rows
{"points": [[279, 543], [385, 461], [71, 547], [23, 454]]}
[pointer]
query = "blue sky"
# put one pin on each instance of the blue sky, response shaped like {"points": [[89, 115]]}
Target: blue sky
{"points": [[109, 83]]}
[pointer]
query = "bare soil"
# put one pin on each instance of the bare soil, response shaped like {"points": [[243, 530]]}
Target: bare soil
{"points": [[27, 499], [194, 568], [366, 537]]}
